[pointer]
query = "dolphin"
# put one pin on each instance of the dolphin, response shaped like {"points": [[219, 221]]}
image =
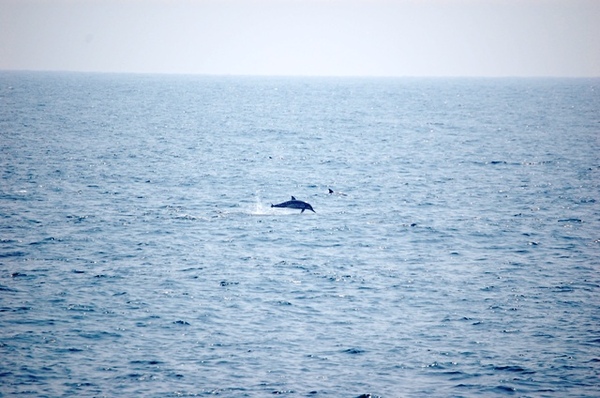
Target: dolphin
{"points": [[295, 204], [332, 192]]}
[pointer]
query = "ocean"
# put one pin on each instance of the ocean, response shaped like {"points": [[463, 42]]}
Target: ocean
{"points": [[458, 254]]}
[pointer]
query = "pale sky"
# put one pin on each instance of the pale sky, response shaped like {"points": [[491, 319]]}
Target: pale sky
{"points": [[304, 37]]}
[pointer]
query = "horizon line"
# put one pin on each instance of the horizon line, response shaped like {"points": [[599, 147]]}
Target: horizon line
{"points": [[284, 75]]}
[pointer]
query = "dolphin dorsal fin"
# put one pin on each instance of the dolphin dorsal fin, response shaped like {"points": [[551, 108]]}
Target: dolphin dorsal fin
{"points": [[293, 198]]}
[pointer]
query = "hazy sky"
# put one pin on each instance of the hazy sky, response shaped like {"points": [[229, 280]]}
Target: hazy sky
{"points": [[304, 37]]}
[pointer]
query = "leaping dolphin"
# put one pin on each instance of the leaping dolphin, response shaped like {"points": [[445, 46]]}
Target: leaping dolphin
{"points": [[295, 204]]}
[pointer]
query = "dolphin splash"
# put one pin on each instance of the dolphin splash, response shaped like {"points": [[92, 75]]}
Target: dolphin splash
{"points": [[295, 204]]}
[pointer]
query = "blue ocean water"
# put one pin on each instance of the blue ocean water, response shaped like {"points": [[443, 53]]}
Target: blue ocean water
{"points": [[458, 255]]}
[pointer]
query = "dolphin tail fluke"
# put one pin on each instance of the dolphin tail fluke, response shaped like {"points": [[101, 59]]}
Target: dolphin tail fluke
{"points": [[272, 205]]}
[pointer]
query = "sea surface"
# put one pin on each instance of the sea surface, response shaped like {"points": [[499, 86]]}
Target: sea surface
{"points": [[458, 255]]}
